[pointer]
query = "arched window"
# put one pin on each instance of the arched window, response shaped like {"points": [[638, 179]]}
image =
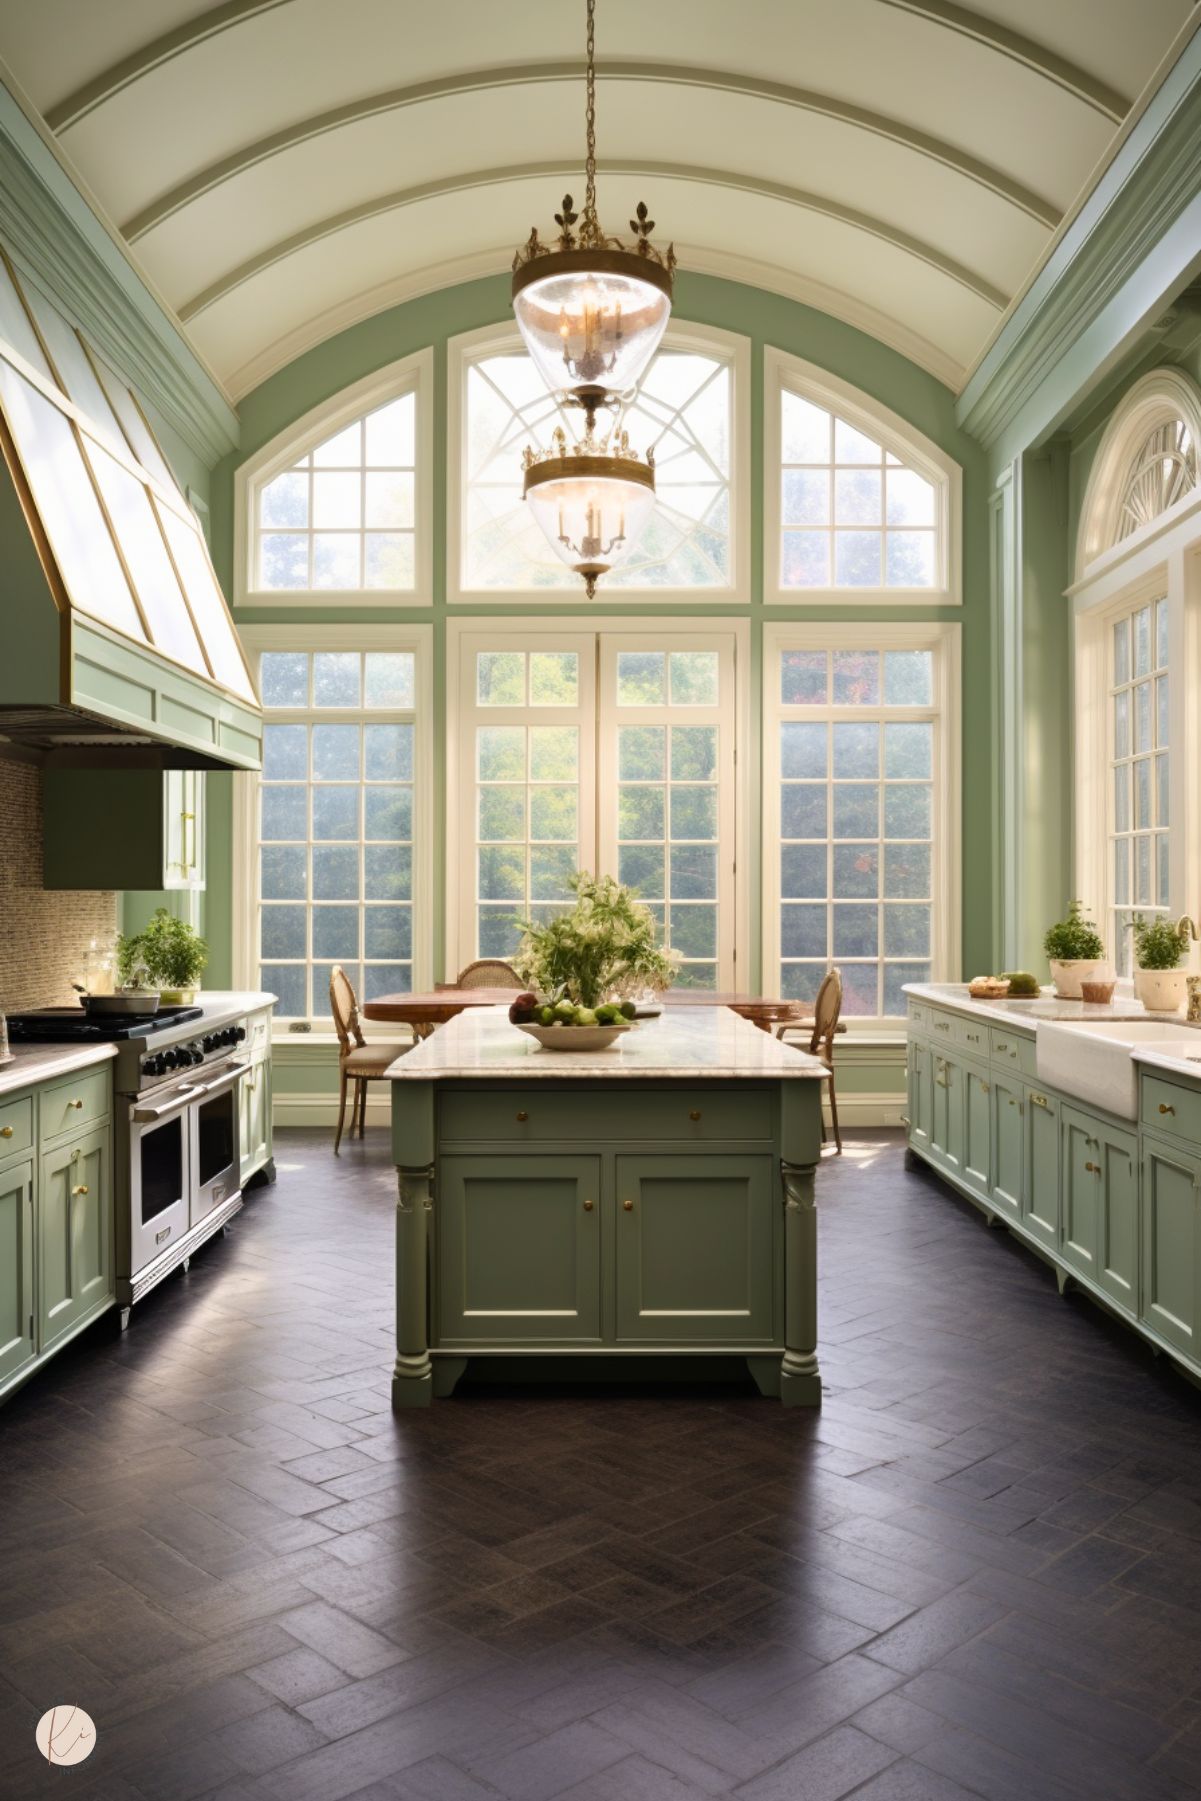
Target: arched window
{"points": [[859, 506], [690, 408], [1146, 462], [339, 503]]}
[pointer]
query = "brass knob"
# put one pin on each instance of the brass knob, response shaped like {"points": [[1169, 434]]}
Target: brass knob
{"points": [[588, 1206], [628, 1205], [522, 1117], [82, 1189], [6, 1131], [77, 1104], [694, 1113], [1164, 1108]]}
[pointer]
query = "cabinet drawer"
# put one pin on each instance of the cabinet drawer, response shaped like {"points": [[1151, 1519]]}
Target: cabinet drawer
{"points": [[1015, 1052], [942, 1029], [1170, 1109], [16, 1126], [258, 1036], [919, 1016], [971, 1035], [69, 1106], [526, 1116]]}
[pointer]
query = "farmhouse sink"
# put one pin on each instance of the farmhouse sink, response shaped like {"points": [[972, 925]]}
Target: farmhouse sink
{"points": [[1092, 1058]]}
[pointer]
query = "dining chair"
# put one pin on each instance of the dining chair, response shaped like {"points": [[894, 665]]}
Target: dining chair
{"points": [[826, 1010], [359, 1060], [489, 972]]}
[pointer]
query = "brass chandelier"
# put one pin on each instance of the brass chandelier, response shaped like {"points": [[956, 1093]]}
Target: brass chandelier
{"points": [[592, 311]]}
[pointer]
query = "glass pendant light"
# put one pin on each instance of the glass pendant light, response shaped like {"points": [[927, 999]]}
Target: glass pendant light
{"points": [[591, 502], [591, 309]]}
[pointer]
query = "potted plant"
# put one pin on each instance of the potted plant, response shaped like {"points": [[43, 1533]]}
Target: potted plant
{"points": [[603, 949], [1075, 950], [168, 954], [1158, 947]]}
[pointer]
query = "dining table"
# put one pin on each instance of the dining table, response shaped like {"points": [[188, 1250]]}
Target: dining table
{"points": [[423, 1012]]}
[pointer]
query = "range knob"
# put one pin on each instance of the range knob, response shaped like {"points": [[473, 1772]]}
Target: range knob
{"points": [[239, 1034], [210, 1043], [195, 1054], [153, 1066]]}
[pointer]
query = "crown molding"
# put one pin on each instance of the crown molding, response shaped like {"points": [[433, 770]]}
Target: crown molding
{"points": [[1133, 238], [58, 234]]}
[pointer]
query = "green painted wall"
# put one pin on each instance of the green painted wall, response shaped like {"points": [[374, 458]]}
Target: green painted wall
{"points": [[766, 319]]}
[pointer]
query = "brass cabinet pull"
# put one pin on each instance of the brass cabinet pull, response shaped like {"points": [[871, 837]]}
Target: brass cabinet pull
{"points": [[984, 1088], [6, 1131], [1001, 1049], [1094, 1169], [78, 1105], [1038, 1100], [1164, 1108], [81, 1189], [628, 1206], [588, 1206], [694, 1113], [522, 1117], [942, 1025], [1012, 1102], [904, 1119]]}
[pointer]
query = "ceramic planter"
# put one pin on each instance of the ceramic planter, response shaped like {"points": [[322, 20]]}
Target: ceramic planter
{"points": [[1160, 990], [178, 997], [1068, 976]]}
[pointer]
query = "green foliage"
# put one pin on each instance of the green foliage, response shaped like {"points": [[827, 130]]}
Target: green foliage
{"points": [[1073, 938], [167, 954], [604, 946], [1158, 944], [1021, 983]]}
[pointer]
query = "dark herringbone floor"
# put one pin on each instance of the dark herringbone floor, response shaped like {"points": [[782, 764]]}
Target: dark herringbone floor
{"points": [[977, 1572]]}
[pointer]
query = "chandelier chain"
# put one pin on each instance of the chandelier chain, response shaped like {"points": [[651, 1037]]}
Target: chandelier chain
{"points": [[590, 233]]}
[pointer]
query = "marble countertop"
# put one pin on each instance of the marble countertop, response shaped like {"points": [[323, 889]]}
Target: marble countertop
{"points": [[1016, 1014], [42, 1062], [685, 1042]]}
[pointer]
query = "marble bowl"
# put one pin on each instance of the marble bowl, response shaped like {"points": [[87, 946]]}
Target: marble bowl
{"points": [[576, 1038]]}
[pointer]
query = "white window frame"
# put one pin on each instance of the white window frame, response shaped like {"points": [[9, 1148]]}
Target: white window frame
{"points": [[784, 372], [465, 636], [943, 638], [1161, 560], [298, 635], [495, 340], [410, 375]]}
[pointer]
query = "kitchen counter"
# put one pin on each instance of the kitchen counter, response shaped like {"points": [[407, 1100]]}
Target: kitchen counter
{"points": [[954, 995], [42, 1062], [684, 1043]]}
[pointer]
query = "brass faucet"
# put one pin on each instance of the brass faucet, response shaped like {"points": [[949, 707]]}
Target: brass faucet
{"points": [[1186, 919]]}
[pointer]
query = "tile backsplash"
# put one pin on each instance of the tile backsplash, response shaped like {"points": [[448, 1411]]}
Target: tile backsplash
{"points": [[44, 936]]}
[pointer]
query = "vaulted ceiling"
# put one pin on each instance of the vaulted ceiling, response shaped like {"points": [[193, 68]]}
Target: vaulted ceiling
{"points": [[281, 168]]}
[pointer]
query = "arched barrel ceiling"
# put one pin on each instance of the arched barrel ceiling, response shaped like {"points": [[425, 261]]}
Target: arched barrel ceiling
{"points": [[281, 168]]}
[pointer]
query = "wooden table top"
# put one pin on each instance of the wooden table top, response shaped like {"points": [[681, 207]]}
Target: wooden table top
{"points": [[444, 1002]]}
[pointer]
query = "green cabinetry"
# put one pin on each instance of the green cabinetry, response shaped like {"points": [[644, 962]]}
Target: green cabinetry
{"points": [[1117, 1211], [255, 1099], [140, 829], [56, 1217]]}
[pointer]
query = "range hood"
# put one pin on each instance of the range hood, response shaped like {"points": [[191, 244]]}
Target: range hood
{"points": [[116, 645]]}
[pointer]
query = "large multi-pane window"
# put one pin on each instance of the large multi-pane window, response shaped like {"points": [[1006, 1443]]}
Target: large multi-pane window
{"points": [[1138, 771], [608, 752], [336, 827], [684, 412], [856, 805]]}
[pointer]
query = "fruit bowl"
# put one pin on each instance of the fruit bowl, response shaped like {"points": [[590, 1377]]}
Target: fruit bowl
{"points": [[575, 1038]]}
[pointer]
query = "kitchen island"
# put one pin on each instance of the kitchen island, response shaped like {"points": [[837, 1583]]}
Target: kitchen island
{"points": [[617, 1212]]}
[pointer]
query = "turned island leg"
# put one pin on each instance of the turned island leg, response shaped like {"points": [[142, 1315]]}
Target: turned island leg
{"points": [[800, 1381], [412, 1378]]}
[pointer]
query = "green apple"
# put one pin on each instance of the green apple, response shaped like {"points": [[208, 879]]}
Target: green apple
{"points": [[584, 1016]]}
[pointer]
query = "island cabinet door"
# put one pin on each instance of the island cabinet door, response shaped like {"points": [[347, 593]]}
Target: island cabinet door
{"points": [[1117, 1234], [518, 1248], [921, 1098], [1008, 1143], [977, 1129], [695, 1248], [1040, 1199], [17, 1341], [1171, 1269]]}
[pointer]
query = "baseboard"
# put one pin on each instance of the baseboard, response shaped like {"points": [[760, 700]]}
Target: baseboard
{"points": [[322, 1109], [884, 1109]]}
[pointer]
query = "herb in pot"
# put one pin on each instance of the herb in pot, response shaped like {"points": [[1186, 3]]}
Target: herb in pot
{"points": [[1158, 944], [167, 953], [1073, 938]]}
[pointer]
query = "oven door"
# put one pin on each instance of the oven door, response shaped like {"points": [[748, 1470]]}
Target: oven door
{"points": [[216, 1150], [160, 1174]]}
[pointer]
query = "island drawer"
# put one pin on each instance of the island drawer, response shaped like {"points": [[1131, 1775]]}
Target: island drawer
{"points": [[526, 1116], [1171, 1109], [1015, 1050], [971, 1035], [16, 1126], [71, 1105], [942, 1028], [919, 1016]]}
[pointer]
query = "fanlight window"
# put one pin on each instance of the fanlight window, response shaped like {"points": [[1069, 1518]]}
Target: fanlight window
{"points": [[683, 411], [342, 517], [1163, 469], [853, 515]]}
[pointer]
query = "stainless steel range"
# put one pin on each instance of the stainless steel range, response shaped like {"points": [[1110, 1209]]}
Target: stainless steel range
{"points": [[177, 1154]]}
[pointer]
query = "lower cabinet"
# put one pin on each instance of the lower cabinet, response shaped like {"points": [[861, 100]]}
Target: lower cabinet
{"points": [[1080, 1192], [921, 1096], [977, 1129], [1008, 1144], [1040, 1197], [694, 1248], [18, 1339], [519, 1249], [75, 1250], [946, 1114], [1099, 1190], [1171, 1218], [254, 1124]]}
